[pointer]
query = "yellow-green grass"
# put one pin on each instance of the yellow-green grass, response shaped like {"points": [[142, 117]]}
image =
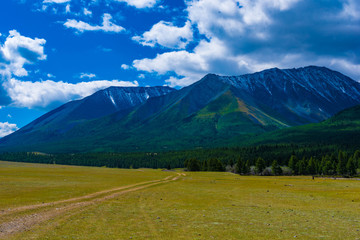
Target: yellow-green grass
{"points": [[25, 184], [218, 206]]}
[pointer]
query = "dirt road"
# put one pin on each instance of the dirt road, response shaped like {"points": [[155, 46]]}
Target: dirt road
{"points": [[18, 220]]}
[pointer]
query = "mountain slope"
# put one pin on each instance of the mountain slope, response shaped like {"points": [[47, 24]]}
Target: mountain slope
{"points": [[215, 111], [342, 129], [62, 119], [302, 95]]}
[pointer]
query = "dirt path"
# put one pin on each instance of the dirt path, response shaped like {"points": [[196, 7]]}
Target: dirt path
{"points": [[24, 223], [85, 197]]}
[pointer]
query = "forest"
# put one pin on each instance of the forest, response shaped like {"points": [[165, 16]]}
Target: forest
{"points": [[278, 159]]}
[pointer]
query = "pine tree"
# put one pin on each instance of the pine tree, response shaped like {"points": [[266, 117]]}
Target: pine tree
{"points": [[247, 167], [275, 168], [204, 166], [351, 167], [231, 162], [260, 165], [215, 165], [292, 163], [311, 167], [193, 165], [301, 166], [240, 166], [356, 158], [341, 165], [327, 166]]}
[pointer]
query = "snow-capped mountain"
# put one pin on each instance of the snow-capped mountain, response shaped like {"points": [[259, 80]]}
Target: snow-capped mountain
{"points": [[114, 99], [309, 94], [215, 111], [97, 105]]}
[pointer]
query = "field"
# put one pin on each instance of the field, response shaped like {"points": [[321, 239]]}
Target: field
{"points": [[66, 202]]}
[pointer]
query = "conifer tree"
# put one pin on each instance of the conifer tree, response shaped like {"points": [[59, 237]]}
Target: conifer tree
{"points": [[247, 167], [327, 166], [292, 163], [204, 166], [240, 166], [351, 167], [301, 166], [356, 158], [275, 168], [215, 165], [341, 165], [311, 167], [193, 165], [260, 165]]}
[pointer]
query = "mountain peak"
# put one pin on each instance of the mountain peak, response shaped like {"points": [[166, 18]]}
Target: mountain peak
{"points": [[211, 111]]}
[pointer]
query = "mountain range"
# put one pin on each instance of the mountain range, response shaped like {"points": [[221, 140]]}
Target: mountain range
{"points": [[215, 111]]}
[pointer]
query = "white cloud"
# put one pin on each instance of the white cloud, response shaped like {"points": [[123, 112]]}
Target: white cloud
{"points": [[107, 25], [167, 35], [87, 75], [351, 9], [233, 17], [49, 75], [207, 57], [7, 128], [140, 3], [18, 51], [245, 36], [56, 1], [87, 12], [67, 8], [125, 67], [48, 94], [141, 76]]}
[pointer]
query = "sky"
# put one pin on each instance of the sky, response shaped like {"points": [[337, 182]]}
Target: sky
{"points": [[55, 51]]}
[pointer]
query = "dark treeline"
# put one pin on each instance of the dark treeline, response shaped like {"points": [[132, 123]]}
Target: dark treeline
{"points": [[335, 164], [217, 159]]}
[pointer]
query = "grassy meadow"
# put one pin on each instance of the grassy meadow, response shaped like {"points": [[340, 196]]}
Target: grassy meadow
{"points": [[24, 184], [193, 205]]}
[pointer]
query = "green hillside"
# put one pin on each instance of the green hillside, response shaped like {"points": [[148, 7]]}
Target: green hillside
{"points": [[341, 129]]}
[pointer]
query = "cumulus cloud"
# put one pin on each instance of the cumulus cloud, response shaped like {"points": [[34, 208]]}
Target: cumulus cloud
{"points": [[18, 51], [241, 36], [48, 94], [87, 12], [207, 57], [167, 35], [87, 75], [107, 25], [125, 66], [67, 8], [56, 1], [7, 128], [140, 3]]}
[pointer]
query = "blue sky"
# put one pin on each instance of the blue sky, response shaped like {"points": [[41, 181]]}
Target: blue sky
{"points": [[54, 51]]}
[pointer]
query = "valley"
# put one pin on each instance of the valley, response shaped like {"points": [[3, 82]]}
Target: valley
{"points": [[155, 204], [185, 119]]}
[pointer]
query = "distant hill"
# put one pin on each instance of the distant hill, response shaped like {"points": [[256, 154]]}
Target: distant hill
{"points": [[341, 129], [56, 123], [215, 111]]}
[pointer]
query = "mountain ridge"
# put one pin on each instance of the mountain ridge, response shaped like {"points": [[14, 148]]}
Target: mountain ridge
{"points": [[215, 111]]}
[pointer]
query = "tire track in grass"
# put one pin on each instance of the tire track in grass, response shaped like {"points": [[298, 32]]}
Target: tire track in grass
{"points": [[26, 222], [85, 197]]}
